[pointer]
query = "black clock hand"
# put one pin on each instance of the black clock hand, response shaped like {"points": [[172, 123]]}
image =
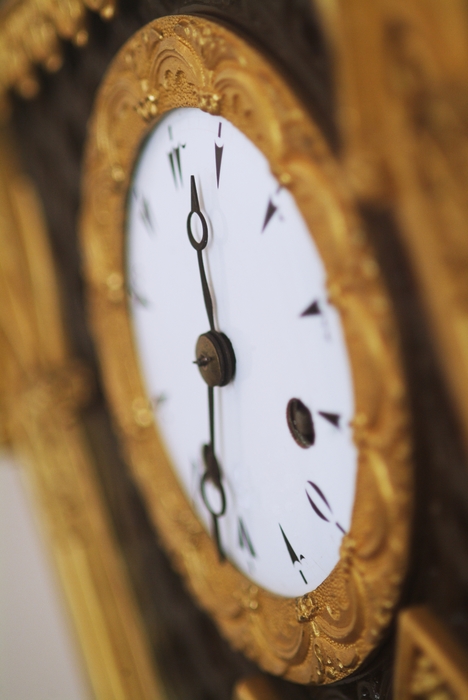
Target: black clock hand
{"points": [[199, 247], [213, 474], [216, 362], [215, 356]]}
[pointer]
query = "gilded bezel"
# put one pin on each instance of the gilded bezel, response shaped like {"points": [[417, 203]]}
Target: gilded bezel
{"points": [[182, 61]]}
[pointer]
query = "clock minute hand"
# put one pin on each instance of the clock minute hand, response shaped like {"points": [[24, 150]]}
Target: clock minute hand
{"points": [[199, 247], [215, 355]]}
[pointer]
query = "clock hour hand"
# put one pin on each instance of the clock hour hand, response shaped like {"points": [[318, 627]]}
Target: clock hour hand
{"points": [[212, 475]]}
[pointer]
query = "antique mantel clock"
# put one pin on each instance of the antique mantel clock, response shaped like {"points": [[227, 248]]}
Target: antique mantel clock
{"points": [[248, 348]]}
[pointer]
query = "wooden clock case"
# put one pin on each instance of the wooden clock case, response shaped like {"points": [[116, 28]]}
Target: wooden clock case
{"points": [[51, 131]]}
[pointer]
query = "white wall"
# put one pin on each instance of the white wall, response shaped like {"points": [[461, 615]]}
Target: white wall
{"points": [[39, 659]]}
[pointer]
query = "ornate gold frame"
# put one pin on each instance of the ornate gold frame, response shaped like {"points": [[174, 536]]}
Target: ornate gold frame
{"points": [[184, 61], [429, 663]]}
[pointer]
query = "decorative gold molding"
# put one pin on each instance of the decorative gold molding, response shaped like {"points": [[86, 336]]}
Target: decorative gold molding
{"points": [[430, 665], [41, 392], [183, 61], [31, 33], [402, 78]]}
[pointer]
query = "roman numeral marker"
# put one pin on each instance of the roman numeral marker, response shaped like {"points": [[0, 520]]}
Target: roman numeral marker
{"points": [[271, 209], [174, 162], [292, 554], [218, 158], [333, 418], [174, 159], [139, 298], [146, 217], [244, 539], [317, 510], [171, 161], [159, 400], [312, 310]]}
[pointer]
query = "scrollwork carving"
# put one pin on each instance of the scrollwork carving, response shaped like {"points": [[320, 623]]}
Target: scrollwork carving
{"points": [[31, 32]]}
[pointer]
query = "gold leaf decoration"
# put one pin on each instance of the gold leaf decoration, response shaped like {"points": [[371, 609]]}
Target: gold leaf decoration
{"points": [[31, 32], [430, 664]]}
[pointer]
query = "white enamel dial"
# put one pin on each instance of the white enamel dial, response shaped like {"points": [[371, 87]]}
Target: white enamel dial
{"points": [[287, 506]]}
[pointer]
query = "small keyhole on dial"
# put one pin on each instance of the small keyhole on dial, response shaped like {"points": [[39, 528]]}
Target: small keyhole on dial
{"points": [[300, 423]]}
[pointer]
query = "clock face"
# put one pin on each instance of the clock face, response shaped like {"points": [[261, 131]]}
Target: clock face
{"points": [[281, 427]]}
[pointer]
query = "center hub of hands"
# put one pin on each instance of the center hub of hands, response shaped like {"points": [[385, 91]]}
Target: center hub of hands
{"points": [[215, 358]]}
